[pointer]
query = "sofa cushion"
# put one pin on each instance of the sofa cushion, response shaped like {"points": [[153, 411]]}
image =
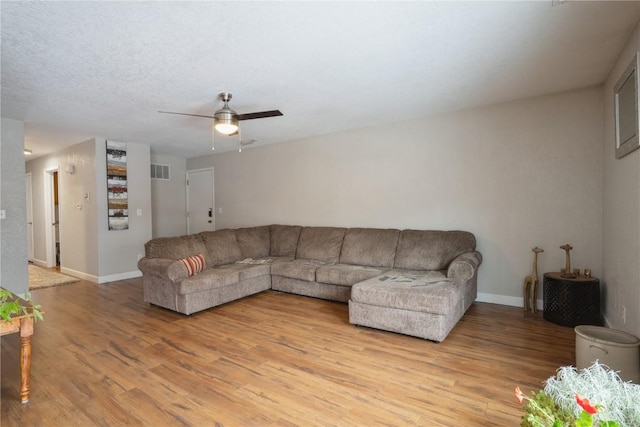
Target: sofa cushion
{"points": [[369, 246], [222, 247], [320, 243], [212, 278], [193, 264], [431, 250], [301, 269], [428, 292], [254, 242], [175, 247], [346, 274], [284, 240], [248, 271]]}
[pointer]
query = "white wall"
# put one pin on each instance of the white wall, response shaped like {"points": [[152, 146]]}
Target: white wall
{"points": [[119, 250], [13, 229], [518, 175], [168, 198], [621, 242]]}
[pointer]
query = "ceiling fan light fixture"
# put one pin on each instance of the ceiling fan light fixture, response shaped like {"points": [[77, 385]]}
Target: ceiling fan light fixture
{"points": [[226, 127], [225, 120]]}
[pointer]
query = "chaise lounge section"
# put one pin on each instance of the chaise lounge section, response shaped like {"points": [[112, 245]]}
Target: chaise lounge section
{"points": [[414, 282], [429, 290]]}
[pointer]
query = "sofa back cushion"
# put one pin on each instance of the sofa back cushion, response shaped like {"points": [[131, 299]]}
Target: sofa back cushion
{"points": [[284, 240], [174, 247], [431, 250], [369, 246], [254, 242], [320, 243], [222, 247]]}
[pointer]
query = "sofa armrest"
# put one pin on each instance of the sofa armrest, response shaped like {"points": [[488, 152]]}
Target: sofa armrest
{"points": [[163, 267], [464, 267]]}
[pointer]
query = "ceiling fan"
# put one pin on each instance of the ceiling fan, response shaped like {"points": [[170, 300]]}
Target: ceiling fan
{"points": [[226, 120]]}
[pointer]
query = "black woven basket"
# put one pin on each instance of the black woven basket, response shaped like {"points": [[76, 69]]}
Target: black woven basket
{"points": [[571, 303]]}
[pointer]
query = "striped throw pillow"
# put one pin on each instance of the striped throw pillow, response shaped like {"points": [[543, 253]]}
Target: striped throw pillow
{"points": [[194, 264]]}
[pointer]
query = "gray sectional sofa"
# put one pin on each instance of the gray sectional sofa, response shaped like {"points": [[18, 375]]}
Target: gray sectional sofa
{"points": [[413, 282]]}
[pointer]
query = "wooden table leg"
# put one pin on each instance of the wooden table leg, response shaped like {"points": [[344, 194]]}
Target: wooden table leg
{"points": [[26, 332]]}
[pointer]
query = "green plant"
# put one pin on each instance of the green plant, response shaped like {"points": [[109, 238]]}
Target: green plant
{"points": [[616, 399], [561, 403], [10, 306], [542, 411]]}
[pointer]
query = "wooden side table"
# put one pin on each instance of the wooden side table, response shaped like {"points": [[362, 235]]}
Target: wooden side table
{"points": [[571, 302], [24, 325]]}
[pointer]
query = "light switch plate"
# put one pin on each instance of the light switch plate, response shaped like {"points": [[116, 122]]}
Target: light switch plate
{"points": [[3, 214]]}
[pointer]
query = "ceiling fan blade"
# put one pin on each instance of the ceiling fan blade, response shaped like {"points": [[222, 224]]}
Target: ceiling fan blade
{"points": [[186, 114], [259, 115]]}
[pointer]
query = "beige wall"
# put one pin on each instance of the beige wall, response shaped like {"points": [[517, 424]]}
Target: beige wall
{"points": [[518, 175], [13, 229], [78, 240], [621, 203], [119, 250], [88, 249], [168, 198]]}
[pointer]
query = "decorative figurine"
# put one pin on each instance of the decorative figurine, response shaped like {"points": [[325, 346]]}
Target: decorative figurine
{"points": [[567, 269], [530, 282]]}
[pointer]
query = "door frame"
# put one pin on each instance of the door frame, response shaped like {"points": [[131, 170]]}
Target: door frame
{"points": [[49, 217], [213, 196], [30, 239]]}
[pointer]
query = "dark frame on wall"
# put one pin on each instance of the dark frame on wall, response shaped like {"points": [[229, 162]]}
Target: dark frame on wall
{"points": [[117, 195], [626, 110]]}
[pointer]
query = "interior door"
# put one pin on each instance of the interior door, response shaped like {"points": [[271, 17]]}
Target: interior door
{"points": [[51, 218], [200, 209], [29, 186]]}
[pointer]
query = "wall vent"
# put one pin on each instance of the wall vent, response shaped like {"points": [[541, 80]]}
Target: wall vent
{"points": [[159, 171]]}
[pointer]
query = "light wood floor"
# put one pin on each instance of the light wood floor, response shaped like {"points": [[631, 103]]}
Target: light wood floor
{"points": [[103, 357]]}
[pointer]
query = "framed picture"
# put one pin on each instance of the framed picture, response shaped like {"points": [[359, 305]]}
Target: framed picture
{"points": [[626, 110], [117, 186]]}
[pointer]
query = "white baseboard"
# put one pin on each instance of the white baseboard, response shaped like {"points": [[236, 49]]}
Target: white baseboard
{"points": [[79, 274], [39, 263], [119, 276], [101, 279], [505, 300], [607, 324]]}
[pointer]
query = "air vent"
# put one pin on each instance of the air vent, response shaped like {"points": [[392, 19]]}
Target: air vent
{"points": [[159, 171]]}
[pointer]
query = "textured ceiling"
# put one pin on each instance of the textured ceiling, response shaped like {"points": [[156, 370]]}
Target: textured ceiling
{"points": [[77, 70]]}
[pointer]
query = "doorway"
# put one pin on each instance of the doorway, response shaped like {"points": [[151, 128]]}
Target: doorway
{"points": [[200, 201], [52, 218]]}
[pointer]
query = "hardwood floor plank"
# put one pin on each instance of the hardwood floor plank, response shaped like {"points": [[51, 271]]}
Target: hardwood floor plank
{"points": [[104, 357]]}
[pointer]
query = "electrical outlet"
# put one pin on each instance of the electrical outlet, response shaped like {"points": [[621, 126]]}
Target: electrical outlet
{"points": [[624, 315]]}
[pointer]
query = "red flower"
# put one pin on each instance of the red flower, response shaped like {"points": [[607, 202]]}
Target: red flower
{"points": [[519, 395], [585, 404]]}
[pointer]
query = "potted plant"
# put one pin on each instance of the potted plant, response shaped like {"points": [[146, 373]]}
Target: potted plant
{"points": [[594, 396], [11, 306]]}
